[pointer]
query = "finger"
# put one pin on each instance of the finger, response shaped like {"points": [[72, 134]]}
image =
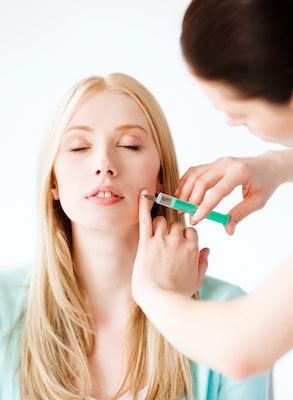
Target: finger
{"points": [[175, 228], [190, 233], [186, 186], [145, 219], [217, 193], [187, 182], [160, 226], [220, 184], [203, 184], [182, 181], [242, 210], [195, 191]]}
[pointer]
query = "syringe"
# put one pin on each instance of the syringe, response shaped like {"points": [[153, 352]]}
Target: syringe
{"points": [[180, 205]]}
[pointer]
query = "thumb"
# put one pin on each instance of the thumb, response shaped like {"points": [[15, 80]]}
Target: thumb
{"points": [[238, 213], [145, 219]]}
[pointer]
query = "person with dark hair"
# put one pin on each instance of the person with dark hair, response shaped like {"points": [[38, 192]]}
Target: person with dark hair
{"points": [[241, 53]]}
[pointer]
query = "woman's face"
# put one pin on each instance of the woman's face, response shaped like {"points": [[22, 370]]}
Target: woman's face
{"points": [[270, 122], [106, 157]]}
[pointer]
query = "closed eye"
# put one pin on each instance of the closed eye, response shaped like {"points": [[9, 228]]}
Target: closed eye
{"points": [[79, 148], [135, 148]]}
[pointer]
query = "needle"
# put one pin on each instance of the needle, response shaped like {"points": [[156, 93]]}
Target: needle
{"points": [[149, 197]]}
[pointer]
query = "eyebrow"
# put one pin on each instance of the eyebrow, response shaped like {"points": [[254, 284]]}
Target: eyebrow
{"points": [[131, 127], [118, 129], [79, 128]]}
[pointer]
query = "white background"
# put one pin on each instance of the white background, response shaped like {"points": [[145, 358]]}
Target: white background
{"points": [[46, 46]]}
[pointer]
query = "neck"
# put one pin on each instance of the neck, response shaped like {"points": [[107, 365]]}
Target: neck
{"points": [[104, 263]]}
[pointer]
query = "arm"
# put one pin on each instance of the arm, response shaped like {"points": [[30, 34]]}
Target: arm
{"points": [[239, 337], [259, 177]]}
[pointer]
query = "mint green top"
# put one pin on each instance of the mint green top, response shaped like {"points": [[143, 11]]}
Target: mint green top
{"points": [[208, 384]]}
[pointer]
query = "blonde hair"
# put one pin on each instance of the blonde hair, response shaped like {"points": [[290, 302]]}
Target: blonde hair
{"points": [[57, 337]]}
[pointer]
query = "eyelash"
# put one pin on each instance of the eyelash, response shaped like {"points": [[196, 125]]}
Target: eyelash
{"points": [[76, 149], [134, 148], [80, 149]]}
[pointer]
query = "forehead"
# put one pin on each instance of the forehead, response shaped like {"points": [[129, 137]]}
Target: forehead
{"points": [[107, 109]]}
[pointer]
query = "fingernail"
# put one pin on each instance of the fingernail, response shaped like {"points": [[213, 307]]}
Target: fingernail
{"points": [[193, 221], [196, 217], [233, 226]]}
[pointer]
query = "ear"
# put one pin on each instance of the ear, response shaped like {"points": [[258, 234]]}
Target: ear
{"points": [[54, 190]]}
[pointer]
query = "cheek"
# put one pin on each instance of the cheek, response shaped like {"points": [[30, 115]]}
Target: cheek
{"points": [[145, 170], [264, 126], [64, 182], [149, 176]]}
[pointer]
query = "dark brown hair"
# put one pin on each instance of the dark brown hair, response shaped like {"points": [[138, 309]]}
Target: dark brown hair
{"points": [[247, 44]]}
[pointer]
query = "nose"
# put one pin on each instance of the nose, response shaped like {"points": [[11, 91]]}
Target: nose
{"points": [[104, 163], [234, 121]]}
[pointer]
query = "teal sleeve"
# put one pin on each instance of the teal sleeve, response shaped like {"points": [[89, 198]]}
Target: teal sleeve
{"points": [[211, 385], [13, 293], [254, 388]]}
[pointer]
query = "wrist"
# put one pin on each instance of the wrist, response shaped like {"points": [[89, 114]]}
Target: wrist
{"points": [[143, 293]]}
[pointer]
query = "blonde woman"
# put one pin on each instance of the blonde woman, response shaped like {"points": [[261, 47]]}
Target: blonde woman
{"points": [[69, 326]]}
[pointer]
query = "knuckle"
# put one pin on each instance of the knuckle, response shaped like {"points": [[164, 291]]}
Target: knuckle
{"points": [[146, 219], [201, 183], [226, 161], [176, 225], [260, 201], [240, 168], [176, 241], [220, 190], [159, 220], [191, 170]]}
